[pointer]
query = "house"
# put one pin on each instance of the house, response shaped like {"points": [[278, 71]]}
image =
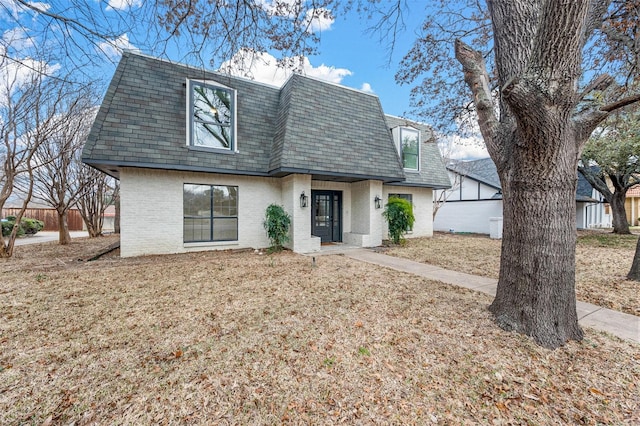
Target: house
{"points": [[632, 205], [200, 155], [476, 197]]}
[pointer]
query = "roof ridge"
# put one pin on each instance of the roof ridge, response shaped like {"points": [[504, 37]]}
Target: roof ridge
{"points": [[199, 69], [331, 83]]}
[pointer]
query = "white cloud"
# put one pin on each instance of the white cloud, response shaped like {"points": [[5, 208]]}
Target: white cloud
{"points": [[366, 87], [319, 20], [264, 68], [18, 39], [123, 4], [13, 8], [41, 6], [325, 72], [283, 8], [315, 19], [16, 73], [456, 147], [113, 48]]}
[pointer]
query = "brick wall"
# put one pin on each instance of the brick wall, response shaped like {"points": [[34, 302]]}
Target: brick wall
{"points": [[152, 212], [422, 210]]}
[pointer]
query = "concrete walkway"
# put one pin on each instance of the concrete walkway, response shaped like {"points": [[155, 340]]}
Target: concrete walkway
{"points": [[617, 323], [46, 236]]}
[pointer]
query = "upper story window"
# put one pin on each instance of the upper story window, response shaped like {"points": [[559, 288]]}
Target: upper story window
{"points": [[211, 115], [407, 141]]}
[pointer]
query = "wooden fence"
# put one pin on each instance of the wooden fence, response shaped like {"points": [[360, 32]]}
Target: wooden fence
{"points": [[49, 217]]}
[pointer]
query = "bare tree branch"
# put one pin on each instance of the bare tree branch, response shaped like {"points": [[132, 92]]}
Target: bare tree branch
{"points": [[600, 83], [477, 78], [621, 103]]}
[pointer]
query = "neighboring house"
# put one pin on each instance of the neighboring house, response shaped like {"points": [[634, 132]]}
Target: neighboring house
{"points": [[200, 155], [477, 197], [632, 205]]}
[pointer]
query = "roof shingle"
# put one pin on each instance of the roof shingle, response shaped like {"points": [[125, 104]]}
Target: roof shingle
{"points": [[307, 126]]}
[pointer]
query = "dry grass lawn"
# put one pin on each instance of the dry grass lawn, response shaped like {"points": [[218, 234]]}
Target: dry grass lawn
{"points": [[602, 263], [241, 338]]}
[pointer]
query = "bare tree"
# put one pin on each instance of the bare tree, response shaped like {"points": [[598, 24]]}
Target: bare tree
{"points": [[101, 191], [80, 35], [440, 197], [29, 103], [57, 166]]}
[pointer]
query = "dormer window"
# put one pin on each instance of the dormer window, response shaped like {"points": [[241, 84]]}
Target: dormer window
{"points": [[407, 140], [211, 115]]}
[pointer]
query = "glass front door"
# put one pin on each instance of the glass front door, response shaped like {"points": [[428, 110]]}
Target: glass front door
{"points": [[326, 215]]}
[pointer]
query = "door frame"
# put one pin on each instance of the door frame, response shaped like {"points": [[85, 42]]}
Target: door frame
{"points": [[336, 222]]}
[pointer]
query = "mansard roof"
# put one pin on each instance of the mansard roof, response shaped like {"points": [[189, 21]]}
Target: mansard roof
{"points": [[308, 126]]}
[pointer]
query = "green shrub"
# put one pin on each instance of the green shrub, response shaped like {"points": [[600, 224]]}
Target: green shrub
{"points": [[31, 226], [7, 226], [276, 224], [399, 215], [27, 226]]}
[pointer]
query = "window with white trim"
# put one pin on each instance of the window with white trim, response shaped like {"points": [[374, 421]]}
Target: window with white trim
{"points": [[407, 140], [211, 116], [210, 213]]}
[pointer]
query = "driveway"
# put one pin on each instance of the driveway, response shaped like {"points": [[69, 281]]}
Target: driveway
{"points": [[46, 236]]}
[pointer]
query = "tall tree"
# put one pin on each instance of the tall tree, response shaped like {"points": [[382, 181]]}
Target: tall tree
{"points": [[80, 35], [57, 179], [535, 142], [611, 164], [29, 103]]}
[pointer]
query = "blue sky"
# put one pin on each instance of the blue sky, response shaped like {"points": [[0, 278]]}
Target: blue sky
{"points": [[348, 45], [347, 53]]}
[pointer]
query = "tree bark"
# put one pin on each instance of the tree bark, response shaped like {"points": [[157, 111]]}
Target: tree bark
{"points": [[536, 288], [64, 237], [535, 144], [116, 219], [619, 213], [634, 273], [92, 230]]}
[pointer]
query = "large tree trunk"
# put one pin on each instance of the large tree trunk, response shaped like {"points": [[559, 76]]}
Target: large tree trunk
{"points": [[536, 293], [619, 213], [634, 273], [64, 237], [535, 143]]}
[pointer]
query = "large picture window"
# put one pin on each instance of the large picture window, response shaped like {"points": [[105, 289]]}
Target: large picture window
{"points": [[210, 213], [211, 116]]}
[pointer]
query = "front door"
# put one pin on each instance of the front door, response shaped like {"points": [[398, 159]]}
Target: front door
{"points": [[326, 215]]}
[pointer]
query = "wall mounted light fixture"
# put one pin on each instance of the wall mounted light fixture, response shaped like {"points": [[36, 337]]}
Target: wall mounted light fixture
{"points": [[304, 200]]}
